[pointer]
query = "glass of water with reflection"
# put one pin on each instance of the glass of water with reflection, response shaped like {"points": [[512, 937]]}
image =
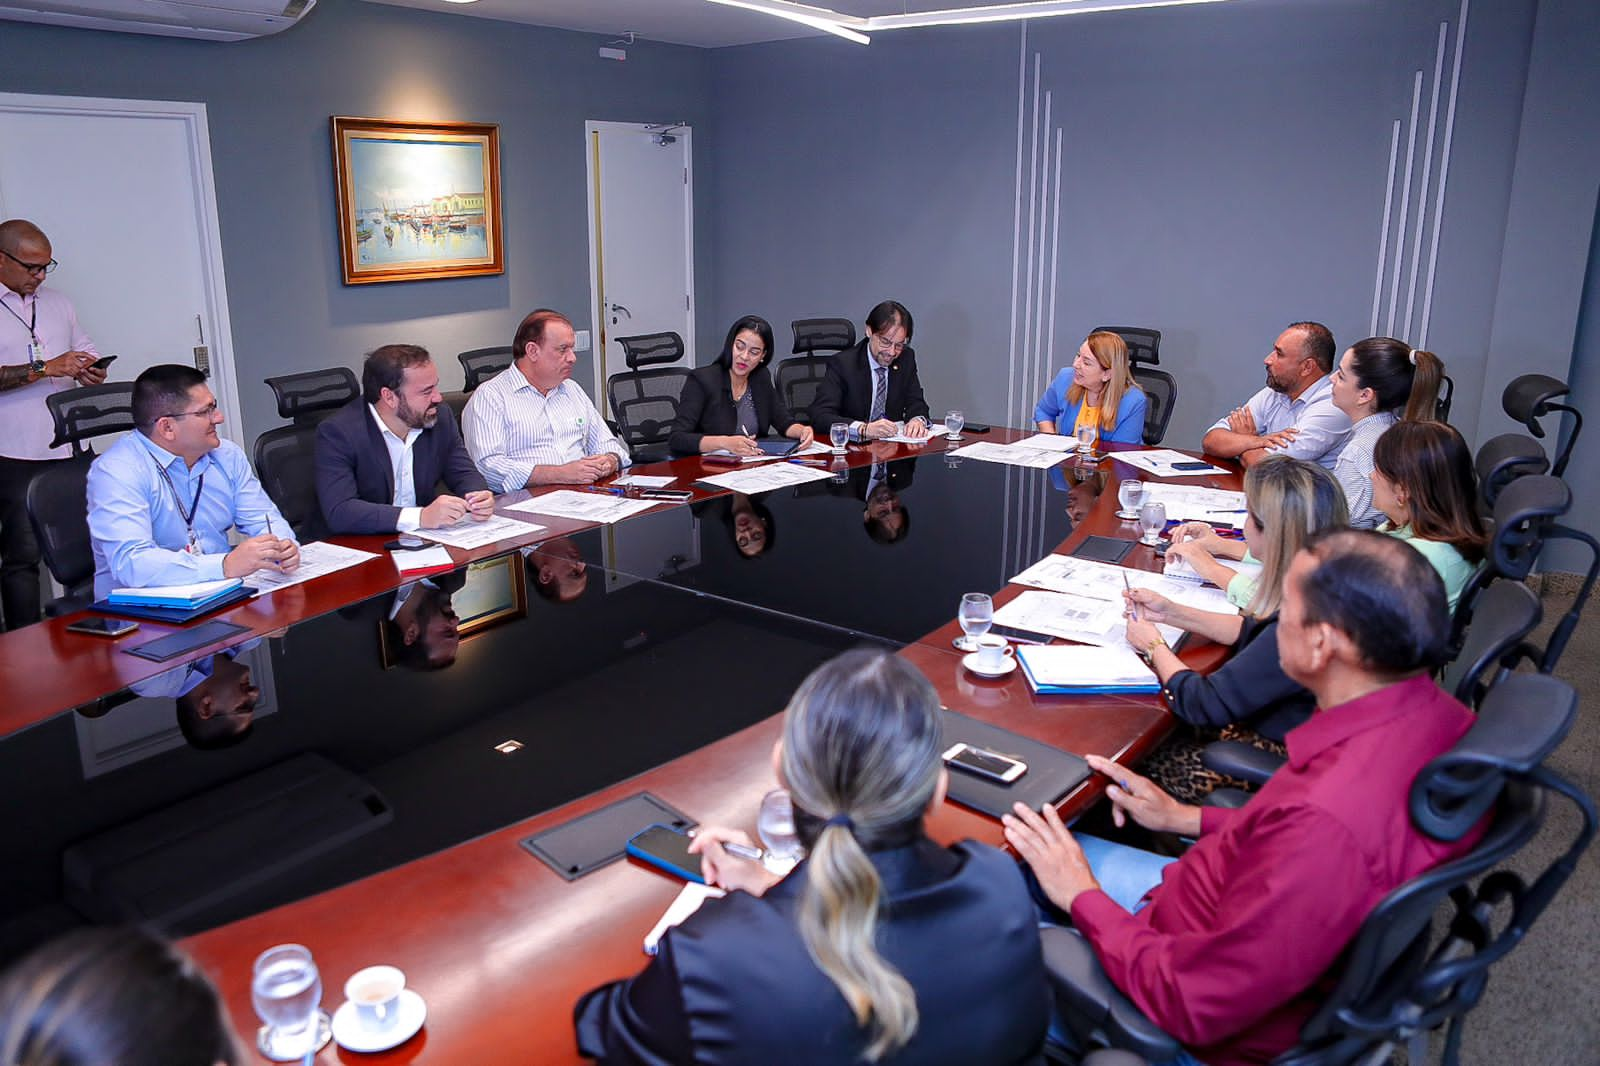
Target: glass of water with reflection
{"points": [[1086, 437], [1130, 494], [839, 436], [976, 615], [953, 421], [1152, 520], [775, 827], [286, 990]]}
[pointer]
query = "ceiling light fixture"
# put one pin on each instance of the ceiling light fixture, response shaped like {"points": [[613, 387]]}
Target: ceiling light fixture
{"points": [[818, 18], [848, 26]]}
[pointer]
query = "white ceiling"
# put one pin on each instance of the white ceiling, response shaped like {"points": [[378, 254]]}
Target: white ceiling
{"points": [[692, 22]]}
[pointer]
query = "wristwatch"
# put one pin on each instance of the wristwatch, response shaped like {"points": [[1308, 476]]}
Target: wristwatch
{"points": [[36, 365]]}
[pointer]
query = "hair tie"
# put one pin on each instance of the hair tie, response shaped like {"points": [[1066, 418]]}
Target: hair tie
{"points": [[841, 819], [1413, 357]]}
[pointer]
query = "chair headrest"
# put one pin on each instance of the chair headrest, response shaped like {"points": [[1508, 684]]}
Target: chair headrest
{"points": [[90, 411], [314, 390], [1144, 345], [651, 349], [1527, 399], [823, 334], [1523, 719]]}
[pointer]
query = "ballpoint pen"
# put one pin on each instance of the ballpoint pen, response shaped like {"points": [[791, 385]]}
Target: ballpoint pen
{"points": [[1128, 585], [608, 490]]}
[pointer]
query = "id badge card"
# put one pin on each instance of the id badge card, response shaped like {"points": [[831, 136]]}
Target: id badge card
{"points": [[36, 352], [193, 547]]}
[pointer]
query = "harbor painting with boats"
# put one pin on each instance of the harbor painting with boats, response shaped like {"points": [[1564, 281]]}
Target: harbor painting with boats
{"points": [[417, 202]]}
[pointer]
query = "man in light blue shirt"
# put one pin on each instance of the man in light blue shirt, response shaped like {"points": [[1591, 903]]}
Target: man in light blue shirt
{"points": [[1294, 415], [163, 498]]}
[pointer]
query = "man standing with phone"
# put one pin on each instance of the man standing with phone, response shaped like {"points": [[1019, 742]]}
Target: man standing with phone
{"points": [[42, 350]]}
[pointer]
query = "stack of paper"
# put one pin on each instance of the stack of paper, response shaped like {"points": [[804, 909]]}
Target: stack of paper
{"points": [[1078, 669], [1162, 462], [1011, 455], [189, 596], [1074, 617], [1182, 570], [1189, 503]]}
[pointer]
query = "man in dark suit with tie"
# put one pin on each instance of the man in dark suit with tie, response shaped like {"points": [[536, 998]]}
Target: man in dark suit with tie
{"points": [[874, 385], [380, 458]]}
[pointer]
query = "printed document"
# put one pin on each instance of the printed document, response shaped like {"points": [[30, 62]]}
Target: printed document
{"points": [[1159, 461], [469, 534], [583, 506], [1011, 455], [317, 558]]}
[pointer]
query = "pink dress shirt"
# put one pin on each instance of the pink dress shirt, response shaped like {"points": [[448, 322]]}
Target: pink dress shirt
{"points": [[25, 425], [1232, 951]]}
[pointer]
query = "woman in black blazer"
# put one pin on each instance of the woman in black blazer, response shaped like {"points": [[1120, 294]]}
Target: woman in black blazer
{"points": [[880, 946], [728, 403]]}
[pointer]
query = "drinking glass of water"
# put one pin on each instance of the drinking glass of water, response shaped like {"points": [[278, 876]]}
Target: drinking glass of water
{"points": [[286, 990], [839, 435], [1086, 438], [775, 827], [1152, 520], [1130, 494], [953, 421], [976, 616]]}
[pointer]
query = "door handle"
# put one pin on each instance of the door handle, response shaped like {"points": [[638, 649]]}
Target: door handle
{"points": [[616, 308]]}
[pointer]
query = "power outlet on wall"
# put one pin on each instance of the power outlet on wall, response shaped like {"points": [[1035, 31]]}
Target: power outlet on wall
{"points": [[580, 341]]}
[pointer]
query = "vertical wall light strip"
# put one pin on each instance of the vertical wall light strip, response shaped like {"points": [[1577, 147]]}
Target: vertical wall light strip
{"points": [[1405, 202], [1027, 301], [1427, 172], [1055, 257], [1037, 488], [1383, 236], [1444, 174], [1016, 263]]}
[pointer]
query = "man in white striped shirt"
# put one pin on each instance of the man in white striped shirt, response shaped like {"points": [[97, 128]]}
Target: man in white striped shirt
{"points": [[530, 425]]}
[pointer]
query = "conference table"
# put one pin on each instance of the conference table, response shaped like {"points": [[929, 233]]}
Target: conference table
{"points": [[411, 736]]}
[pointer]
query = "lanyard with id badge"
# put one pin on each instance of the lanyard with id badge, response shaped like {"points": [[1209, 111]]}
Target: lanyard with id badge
{"points": [[193, 544], [35, 345]]}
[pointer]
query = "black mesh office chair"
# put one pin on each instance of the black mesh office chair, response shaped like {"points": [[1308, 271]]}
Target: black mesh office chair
{"points": [[285, 457], [91, 411], [1144, 345], [1507, 612], [1529, 398], [1447, 395], [816, 341], [57, 498], [481, 364], [1161, 396], [645, 401], [1421, 958], [1501, 461]]}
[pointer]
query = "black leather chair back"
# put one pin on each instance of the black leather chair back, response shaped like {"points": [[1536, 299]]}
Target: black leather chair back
{"points": [[1144, 345], [481, 364], [1161, 395]]}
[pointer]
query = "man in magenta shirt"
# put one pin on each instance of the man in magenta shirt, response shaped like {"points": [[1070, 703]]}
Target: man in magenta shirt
{"points": [[42, 349], [1230, 951]]}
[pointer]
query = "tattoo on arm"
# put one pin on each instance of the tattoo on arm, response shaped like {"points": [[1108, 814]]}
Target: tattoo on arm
{"points": [[14, 377]]}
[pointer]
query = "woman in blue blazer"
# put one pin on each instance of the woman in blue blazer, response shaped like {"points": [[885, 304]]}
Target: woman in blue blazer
{"points": [[728, 403], [879, 946], [1096, 389]]}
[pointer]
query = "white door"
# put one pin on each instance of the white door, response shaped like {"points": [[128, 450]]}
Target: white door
{"points": [[123, 189], [641, 239]]}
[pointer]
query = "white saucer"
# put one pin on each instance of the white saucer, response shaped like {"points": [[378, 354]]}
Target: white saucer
{"points": [[971, 663], [350, 1034]]}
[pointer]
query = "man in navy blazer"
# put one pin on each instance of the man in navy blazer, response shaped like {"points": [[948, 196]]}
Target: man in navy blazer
{"points": [[380, 458], [874, 385]]}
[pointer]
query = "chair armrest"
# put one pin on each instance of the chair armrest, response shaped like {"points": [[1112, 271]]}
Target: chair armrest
{"points": [[1234, 759], [1090, 1005], [1226, 798], [1110, 1057]]}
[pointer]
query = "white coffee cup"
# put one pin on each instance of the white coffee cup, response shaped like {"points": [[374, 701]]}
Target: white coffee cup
{"points": [[376, 993], [992, 653]]}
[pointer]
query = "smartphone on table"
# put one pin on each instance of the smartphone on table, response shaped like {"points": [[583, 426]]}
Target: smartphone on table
{"points": [[667, 849], [982, 762], [99, 626]]}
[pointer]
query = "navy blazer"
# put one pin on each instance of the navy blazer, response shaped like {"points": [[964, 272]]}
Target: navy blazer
{"points": [[734, 983], [845, 394], [707, 406], [355, 483]]}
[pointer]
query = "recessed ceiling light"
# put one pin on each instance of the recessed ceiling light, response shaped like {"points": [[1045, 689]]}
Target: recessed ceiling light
{"points": [[461, 1], [850, 27], [505, 747]]}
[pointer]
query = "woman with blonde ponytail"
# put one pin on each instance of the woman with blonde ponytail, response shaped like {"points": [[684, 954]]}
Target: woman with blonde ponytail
{"points": [[879, 947], [1379, 381]]}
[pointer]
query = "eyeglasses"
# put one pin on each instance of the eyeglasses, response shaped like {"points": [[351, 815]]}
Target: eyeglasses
{"points": [[38, 270], [884, 346], [208, 410]]}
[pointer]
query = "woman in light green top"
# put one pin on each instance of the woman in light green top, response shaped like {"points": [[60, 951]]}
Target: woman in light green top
{"points": [[1422, 481]]}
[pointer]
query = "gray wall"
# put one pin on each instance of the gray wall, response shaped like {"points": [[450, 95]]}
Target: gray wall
{"points": [[268, 103], [1223, 174]]}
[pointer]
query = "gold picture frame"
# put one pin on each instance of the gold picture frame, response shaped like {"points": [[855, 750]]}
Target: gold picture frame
{"points": [[480, 596], [417, 200]]}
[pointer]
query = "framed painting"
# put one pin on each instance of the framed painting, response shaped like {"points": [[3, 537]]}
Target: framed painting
{"points": [[417, 200]]}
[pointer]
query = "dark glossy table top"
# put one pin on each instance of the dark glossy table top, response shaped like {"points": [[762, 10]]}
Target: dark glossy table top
{"points": [[662, 646]]}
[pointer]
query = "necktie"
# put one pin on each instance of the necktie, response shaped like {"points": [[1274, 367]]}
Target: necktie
{"points": [[880, 393]]}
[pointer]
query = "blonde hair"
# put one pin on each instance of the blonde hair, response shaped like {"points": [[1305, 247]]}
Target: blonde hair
{"points": [[1290, 499], [861, 759], [1111, 352]]}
